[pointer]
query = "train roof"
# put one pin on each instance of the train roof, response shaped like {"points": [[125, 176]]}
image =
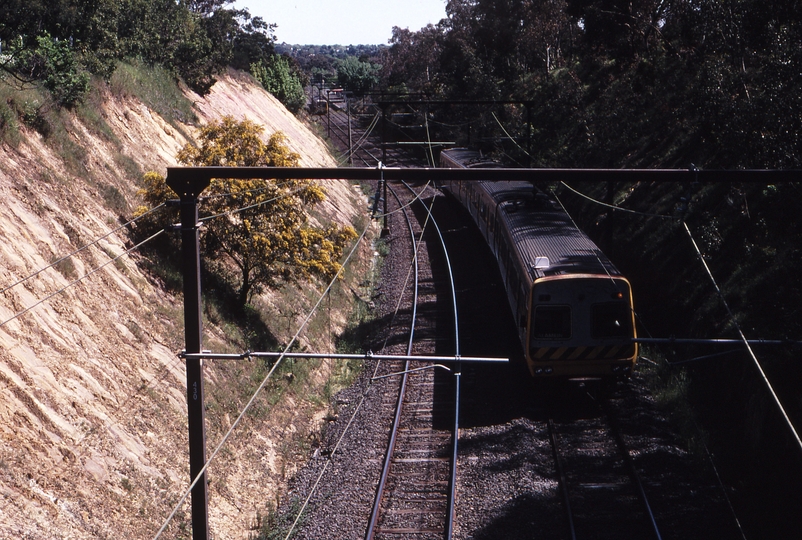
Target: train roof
{"points": [[543, 231], [469, 158]]}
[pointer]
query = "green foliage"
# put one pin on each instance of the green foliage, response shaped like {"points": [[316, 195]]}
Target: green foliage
{"points": [[275, 525], [194, 41], [357, 76], [412, 61], [617, 83], [9, 127], [275, 74], [260, 228], [55, 65]]}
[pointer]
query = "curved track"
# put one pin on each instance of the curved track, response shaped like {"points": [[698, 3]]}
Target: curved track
{"points": [[415, 494]]}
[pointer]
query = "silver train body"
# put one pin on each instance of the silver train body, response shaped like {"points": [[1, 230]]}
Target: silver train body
{"points": [[573, 307]]}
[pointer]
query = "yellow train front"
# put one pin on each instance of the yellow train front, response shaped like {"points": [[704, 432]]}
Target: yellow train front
{"points": [[580, 326], [573, 308]]}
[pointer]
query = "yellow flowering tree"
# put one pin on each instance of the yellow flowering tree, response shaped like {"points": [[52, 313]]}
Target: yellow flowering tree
{"points": [[259, 226]]}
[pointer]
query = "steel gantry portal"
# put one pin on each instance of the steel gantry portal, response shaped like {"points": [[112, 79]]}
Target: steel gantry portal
{"points": [[190, 182]]}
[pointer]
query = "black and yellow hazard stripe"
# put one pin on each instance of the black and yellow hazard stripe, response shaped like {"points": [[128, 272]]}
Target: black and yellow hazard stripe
{"points": [[603, 352]]}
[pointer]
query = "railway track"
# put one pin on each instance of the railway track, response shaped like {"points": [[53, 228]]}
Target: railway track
{"points": [[508, 486], [602, 493], [414, 498], [359, 138]]}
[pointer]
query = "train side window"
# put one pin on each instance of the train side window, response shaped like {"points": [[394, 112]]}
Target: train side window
{"points": [[552, 322], [610, 320]]}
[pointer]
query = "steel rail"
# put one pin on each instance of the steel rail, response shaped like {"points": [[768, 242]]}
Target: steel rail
{"points": [[354, 151], [458, 377], [563, 480], [374, 514], [616, 433]]}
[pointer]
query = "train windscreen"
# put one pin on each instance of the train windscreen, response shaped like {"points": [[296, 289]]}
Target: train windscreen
{"points": [[552, 322], [610, 320]]}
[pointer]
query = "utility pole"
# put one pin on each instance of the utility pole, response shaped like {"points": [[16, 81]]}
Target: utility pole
{"points": [[384, 134], [193, 335], [328, 115], [350, 142]]}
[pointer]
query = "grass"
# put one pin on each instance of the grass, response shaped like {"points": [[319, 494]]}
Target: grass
{"points": [[671, 388], [275, 526], [157, 88], [89, 112], [9, 124], [66, 268]]}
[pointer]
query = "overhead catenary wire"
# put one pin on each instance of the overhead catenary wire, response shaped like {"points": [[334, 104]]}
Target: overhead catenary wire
{"points": [[358, 145], [267, 377], [373, 520], [428, 139], [250, 206], [249, 191], [615, 207], [589, 198], [597, 251], [754, 359], [78, 445], [452, 482]]}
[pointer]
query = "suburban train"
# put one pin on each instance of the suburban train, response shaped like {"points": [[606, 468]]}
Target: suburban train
{"points": [[572, 306]]}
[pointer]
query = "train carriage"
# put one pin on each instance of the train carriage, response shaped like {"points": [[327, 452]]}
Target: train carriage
{"points": [[572, 306]]}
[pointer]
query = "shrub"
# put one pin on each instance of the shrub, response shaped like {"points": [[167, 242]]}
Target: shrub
{"points": [[278, 79], [54, 63]]}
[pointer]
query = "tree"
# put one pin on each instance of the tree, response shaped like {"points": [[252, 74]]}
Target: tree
{"points": [[357, 76], [278, 78], [412, 60], [260, 227], [54, 63]]}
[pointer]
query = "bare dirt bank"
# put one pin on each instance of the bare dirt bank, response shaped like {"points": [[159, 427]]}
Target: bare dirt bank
{"points": [[92, 395]]}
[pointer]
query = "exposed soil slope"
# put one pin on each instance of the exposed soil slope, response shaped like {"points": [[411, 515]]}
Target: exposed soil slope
{"points": [[93, 437]]}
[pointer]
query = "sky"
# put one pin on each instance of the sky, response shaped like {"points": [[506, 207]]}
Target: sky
{"points": [[349, 22]]}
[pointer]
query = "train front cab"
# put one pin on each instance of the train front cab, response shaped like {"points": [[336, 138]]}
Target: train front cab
{"points": [[581, 326]]}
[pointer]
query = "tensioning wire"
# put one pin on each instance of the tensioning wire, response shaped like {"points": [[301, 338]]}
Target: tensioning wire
{"points": [[413, 264], [361, 140], [614, 207], [230, 193], [65, 257], [242, 209], [755, 361], [261, 386], [51, 295]]}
